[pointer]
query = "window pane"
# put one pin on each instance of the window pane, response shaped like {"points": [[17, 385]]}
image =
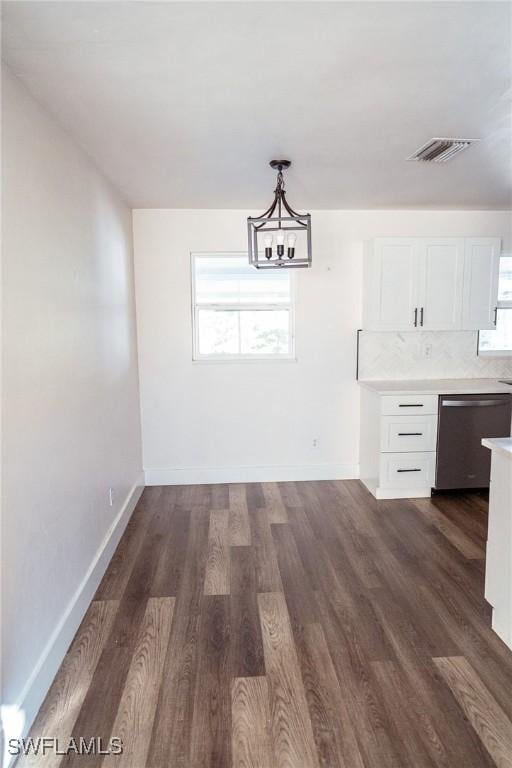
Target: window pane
{"points": [[505, 289], [232, 280], [265, 332], [218, 332], [501, 338]]}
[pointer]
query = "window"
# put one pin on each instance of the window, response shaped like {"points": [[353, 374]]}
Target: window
{"points": [[499, 341], [240, 312]]}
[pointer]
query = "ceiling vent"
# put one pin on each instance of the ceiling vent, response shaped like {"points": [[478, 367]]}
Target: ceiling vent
{"points": [[440, 150]]}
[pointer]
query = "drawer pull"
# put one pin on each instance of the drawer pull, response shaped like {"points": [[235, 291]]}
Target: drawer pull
{"points": [[410, 405], [410, 434], [408, 470]]}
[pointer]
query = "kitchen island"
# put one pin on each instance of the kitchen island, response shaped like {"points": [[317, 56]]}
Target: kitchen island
{"points": [[498, 567]]}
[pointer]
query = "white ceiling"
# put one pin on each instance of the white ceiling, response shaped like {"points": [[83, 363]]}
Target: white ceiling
{"points": [[183, 104]]}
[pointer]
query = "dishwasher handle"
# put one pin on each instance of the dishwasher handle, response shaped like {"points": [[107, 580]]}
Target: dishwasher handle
{"points": [[471, 403]]}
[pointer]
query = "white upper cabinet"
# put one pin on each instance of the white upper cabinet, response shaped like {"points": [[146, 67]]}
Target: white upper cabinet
{"points": [[390, 284], [481, 277], [430, 284], [440, 276]]}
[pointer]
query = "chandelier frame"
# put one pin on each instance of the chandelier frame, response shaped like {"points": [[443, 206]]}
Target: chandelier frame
{"points": [[279, 217]]}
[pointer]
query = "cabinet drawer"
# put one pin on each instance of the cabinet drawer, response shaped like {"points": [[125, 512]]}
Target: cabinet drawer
{"points": [[400, 434], [407, 470], [408, 405]]}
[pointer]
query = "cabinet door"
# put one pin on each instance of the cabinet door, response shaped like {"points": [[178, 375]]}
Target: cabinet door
{"points": [[441, 284], [481, 275], [392, 284]]}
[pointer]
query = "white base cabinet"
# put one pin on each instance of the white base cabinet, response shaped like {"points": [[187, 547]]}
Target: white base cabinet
{"points": [[430, 283], [398, 444]]}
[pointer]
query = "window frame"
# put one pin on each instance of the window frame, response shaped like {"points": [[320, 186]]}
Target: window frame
{"points": [[499, 305], [197, 356]]}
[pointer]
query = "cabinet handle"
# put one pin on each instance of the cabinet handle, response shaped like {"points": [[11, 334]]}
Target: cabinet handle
{"points": [[408, 470], [410, 434], [421, 316], [411, 405], [495, 321], [416, 317]]}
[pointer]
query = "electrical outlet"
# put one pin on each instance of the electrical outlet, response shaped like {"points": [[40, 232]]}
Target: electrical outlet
{"points": [[111, 497], [315, 442], [428, 350]]}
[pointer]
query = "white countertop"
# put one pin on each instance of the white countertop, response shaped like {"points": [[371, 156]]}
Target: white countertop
{"points": [[500, 444], [438, 387]]}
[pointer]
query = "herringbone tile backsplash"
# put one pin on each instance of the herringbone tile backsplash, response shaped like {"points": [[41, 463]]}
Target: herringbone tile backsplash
{"points": [[427, 355]]}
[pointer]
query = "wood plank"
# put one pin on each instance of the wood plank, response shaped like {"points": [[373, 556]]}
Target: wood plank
{"points": [[352, 540], [268, 578], [290, 494], [246, 644], [480, 707], [299, 596], [333, 730], [250, 713], [332, 572], [308, 546], [211, 725], [194, 496], [464, 512], [292, 739], [219, 496], [254, 496], [274, 503], [170, 739], [101, 703], [98, 711], [413, 727], [452, 532], [403, 583], [172, 561], [62, 704], [367, 715], [239, 529], [134, 720], [116, 576], [216, 579]]}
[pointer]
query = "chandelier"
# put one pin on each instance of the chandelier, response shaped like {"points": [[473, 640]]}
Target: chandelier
{"points": [[280, 237]]}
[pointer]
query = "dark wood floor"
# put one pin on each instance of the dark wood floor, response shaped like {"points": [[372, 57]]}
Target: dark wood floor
{"points": [[290, 625]]}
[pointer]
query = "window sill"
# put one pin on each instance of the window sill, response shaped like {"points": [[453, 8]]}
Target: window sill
{"points": [[250, 360], [495, 353]]}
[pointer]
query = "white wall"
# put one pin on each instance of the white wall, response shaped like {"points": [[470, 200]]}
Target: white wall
{"points": [[70, 390], [207, 422]]}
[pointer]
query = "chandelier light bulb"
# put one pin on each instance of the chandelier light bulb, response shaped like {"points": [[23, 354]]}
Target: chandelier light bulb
{"points": [[268, 240], [280, 243], [292, 237]]}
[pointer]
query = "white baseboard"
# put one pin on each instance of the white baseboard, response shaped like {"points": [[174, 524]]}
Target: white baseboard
{"points": [[41, 677], [258, 474]]}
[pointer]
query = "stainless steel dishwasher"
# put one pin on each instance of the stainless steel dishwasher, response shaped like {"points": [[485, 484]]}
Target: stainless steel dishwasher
{"points": [[463, 421]]}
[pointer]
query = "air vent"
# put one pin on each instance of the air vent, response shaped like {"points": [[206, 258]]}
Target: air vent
{"points": [[440, 150]]}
